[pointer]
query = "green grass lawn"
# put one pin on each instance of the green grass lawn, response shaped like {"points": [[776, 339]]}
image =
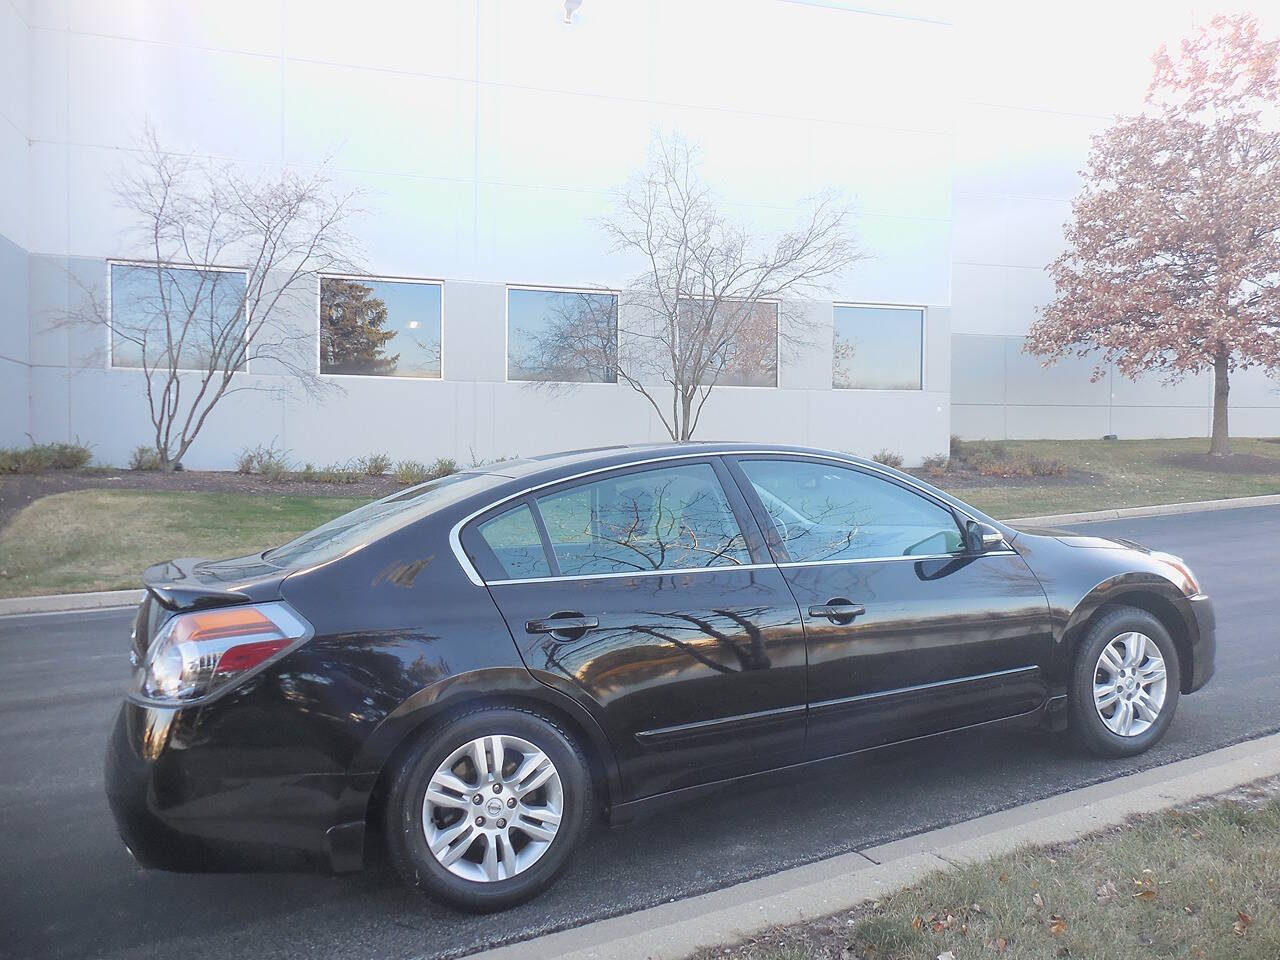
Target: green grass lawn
{"points": [[103, 539], [1130, 473], [1199, 883]]}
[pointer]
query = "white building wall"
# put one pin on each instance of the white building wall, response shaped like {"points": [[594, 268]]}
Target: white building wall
{"points": [[15, 357], [487, 137]]}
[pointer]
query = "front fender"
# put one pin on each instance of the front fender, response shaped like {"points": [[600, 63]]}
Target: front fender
{"points": [[1078, 581]]}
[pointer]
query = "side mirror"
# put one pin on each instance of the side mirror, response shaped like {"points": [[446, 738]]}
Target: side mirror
{"points": [[982, 537]]}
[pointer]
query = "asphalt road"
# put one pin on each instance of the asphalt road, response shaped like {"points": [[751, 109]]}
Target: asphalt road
{"points": [[68, 889]]}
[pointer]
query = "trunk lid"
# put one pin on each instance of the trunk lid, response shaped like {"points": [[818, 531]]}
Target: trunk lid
{"points": [[190, 584]]}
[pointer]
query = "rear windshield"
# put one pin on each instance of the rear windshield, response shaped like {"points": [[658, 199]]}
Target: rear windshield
{"points": [[364, 524]]}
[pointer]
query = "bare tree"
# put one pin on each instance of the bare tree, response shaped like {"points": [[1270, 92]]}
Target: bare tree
{"points": [[705, 310], [229, 256]]}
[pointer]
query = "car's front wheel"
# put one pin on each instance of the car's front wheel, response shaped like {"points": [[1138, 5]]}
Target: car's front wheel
{"points": [[486, 811], [1125, 683]]}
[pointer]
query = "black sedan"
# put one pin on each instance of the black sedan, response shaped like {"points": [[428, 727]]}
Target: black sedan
{"points": [[472, 670]]}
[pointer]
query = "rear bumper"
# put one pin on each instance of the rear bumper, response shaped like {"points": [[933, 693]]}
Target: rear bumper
{"points": [[1204, 643], [172, 815]]}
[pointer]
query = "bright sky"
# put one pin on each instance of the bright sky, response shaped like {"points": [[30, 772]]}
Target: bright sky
{"points": [[1088, 56]]}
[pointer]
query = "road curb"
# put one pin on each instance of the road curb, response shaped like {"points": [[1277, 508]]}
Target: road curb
{"points": [[60, 602], [675, 930], [1156, 510]]}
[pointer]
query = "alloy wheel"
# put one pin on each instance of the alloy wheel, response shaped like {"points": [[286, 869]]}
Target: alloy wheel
{"points": [[492, 808], [1129, 683]]}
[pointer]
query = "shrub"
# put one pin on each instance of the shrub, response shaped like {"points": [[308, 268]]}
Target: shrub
{"points": [[44, 456], [1046, 466], [888, 458], [1004, 467], [409, 472], [376, 465], [957, 445], [69, 456], [275, 471], [340, 473], [443, 467], [144, 458], [268, 461], [936, 465]]}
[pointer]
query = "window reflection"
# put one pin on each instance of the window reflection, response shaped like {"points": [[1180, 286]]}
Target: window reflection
{"points": [[741, 339], [183, 318], [379, 328], [667, 519], [562, 336], [513, 538], [828, 512], [877, 348]]}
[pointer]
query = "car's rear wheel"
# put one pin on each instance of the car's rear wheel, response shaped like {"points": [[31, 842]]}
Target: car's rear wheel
{"points": [[1124, 686], [485, 812]]}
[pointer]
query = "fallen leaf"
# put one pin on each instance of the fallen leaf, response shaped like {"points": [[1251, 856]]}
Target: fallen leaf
{"points": [[917, 923], [1057, 926], [1038, 900], [1004, 878], [999, 944], [1148, 895], [946, 955], [1242, 922]]}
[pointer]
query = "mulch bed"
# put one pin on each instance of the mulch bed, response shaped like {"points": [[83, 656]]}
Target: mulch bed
{"points": [[1236, 463], [19, 489]]}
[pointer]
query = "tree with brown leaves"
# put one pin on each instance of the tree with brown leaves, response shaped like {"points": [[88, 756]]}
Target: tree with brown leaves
{"points": [[1173, 251]]}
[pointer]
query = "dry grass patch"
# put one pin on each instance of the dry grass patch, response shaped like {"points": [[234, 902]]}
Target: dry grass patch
{"points": [[1198, 883], [103, 539]]}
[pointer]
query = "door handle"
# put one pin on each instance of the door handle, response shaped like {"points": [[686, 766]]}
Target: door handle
{"points": [[838, 610], [563, 626]]}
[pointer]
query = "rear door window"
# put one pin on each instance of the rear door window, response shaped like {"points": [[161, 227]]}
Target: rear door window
{"points": [[670, 518], [513, 539]]}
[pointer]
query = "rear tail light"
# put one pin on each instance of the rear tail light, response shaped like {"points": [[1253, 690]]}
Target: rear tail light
{"points": [[196, 654]]}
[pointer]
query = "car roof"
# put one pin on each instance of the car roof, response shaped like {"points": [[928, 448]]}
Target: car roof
{"points": [[526, 468], [518, 474]]}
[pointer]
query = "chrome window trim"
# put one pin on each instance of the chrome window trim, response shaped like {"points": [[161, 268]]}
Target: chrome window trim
{"points": [[675, 571], [905, 556], [455, 533]]}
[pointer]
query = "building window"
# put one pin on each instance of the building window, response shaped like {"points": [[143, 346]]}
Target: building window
{"points": [[168, 317], [878, 348], [563, 336], [380, 328], [740, 339]]}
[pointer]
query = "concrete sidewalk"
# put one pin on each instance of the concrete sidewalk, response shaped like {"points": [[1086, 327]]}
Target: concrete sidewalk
{"points": [[675, 930]]}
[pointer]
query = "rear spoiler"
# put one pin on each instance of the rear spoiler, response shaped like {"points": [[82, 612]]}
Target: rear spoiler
{"points": [[177, 586]]}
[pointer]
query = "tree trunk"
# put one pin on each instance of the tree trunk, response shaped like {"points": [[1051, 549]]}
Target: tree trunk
{"points": [[1220, 444]]}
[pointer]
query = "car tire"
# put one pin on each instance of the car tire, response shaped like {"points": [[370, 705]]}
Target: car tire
{"points": [[1095, 719], [489, 874]]}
